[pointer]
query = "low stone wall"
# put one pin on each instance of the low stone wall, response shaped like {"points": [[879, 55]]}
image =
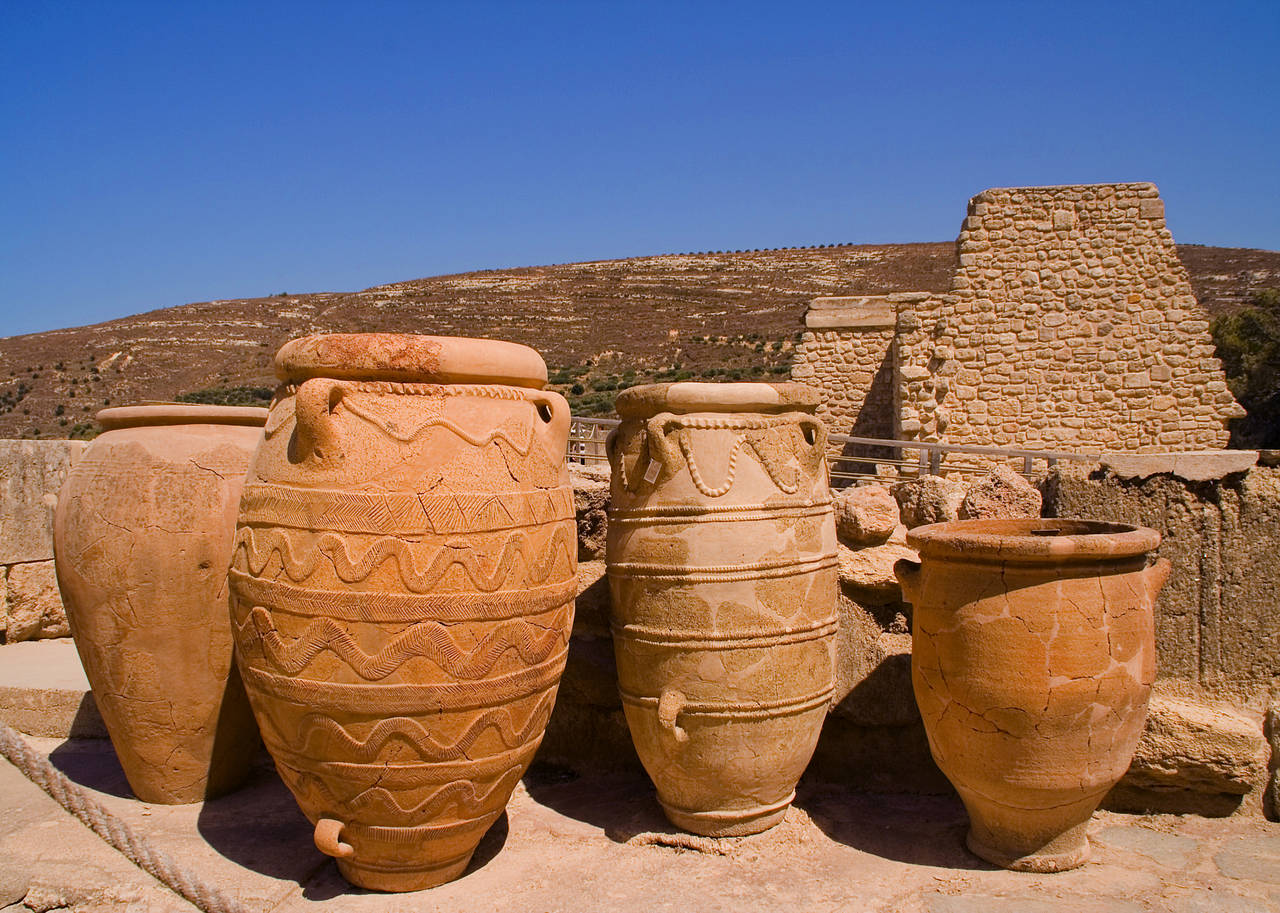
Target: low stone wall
{"points": [[32, 473]]}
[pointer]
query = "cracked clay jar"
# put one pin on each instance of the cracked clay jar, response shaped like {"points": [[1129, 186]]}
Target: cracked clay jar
{"points": [[721, 557], [1033, 653], [142, 539], [403, 581]]}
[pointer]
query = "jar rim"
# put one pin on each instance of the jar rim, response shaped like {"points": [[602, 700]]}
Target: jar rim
{"points": [[1033, 539], [683, 397], [152, 413], [410, 357]]}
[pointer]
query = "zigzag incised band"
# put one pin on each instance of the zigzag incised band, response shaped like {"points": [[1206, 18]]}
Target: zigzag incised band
{"points": [[428, 639], [254, 550], [248, 591], [390, 513], [467, 801]]}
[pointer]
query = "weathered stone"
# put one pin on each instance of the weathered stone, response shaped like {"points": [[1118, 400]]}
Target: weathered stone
{"points": [[1194, 756], [1169, 850], [44, 691], [31, 473], [590, 502], [869, 571], [1193, 467], [34, 603], [1252, 858], [865, 515], [929, 499], [14, 884], [1001, 494]]}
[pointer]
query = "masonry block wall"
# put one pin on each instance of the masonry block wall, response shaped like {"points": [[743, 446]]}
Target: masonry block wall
{"points": [[1070, 324]]}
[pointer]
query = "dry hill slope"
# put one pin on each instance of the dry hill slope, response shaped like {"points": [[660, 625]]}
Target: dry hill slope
{"points": [[598, 324]]}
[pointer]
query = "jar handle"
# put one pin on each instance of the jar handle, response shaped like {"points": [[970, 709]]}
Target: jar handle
{"points": [[908, 574], [328, 837], [661, 450], [1155, 575], [318, 436], [669, 707], [552, 420]]}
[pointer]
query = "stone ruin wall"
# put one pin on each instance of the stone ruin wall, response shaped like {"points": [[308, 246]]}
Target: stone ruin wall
{"points": [[1070, 325], [31, 473]]}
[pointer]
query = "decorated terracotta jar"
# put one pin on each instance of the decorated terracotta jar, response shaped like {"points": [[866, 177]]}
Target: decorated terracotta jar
{"points": [[142, 539], [722, 568], [1033, 653], [403, 585]]}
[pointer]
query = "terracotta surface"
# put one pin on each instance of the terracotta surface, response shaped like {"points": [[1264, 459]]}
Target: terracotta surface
{"points": [[403, 581], [142, 540], [722, 565], [1033, 653]]}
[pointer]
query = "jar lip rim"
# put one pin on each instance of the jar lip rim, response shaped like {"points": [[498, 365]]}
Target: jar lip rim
{"points": [[1033, 539], [161, 413], [410, 357], [689, 396]]}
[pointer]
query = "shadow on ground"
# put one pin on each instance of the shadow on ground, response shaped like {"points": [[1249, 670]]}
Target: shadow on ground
{"points": [[92, 763]]}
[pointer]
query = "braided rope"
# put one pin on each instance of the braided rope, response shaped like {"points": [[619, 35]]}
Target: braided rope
{"points": [[76, 800]]}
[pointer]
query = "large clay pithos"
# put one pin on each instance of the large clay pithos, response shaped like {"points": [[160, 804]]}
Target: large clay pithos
{"points": [[142, 539], [403, 586], [722, 567], [1033, 653]]}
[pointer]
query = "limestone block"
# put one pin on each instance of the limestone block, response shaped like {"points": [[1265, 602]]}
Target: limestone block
{"points": [[866, 515], [1001, 494], [1192, 466], [868, 572], [590, 502], [929, 499], [34, 603], [1195, 756], [31, 473]]}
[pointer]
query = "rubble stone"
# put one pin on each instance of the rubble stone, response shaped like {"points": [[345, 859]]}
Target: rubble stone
{"points": [[1002, 494], [929, 499], [866, 515]]}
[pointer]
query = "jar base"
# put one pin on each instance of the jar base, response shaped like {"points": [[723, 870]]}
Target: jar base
{"points": [[1058, 859], [729, 822], [402, 880]]}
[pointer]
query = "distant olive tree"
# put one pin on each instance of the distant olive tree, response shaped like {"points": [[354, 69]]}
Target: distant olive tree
{"points": [[1248, 344]]}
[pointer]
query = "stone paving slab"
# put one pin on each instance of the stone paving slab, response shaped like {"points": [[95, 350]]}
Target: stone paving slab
{"points": [[600, 843], [44, 691]]}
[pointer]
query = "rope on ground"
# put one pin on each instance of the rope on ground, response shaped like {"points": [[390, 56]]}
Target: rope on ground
{"points": [[75, 799]]}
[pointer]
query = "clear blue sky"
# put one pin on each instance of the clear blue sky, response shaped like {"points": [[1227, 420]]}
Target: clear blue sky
{"points": [[153, 154]]}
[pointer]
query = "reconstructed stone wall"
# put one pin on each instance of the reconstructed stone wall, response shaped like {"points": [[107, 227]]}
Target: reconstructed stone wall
{"points": [[1070, 325], [31, 472]]}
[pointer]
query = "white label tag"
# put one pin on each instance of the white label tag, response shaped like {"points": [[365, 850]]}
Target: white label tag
{"points": [[651, 474]]}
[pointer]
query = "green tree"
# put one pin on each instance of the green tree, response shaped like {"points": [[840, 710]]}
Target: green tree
{"points": [[1248, 344]]}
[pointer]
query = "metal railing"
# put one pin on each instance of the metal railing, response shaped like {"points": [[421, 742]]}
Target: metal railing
{"points": [[854, 458]]}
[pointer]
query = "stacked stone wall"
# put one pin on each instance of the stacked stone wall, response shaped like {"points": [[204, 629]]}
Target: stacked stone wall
{"points": [[846, 367], [1070, 325], [32, 473]]}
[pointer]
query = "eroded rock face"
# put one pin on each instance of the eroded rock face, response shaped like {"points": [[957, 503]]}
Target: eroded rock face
{"points": [[34, 604], [722, 567], [1199, 756], [929, 499], [1033, 654], [403, 585], [1001, 494], [865, 515], [142, 535]]}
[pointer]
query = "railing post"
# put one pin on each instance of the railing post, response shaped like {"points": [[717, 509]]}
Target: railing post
{"points": [[935, 462]]}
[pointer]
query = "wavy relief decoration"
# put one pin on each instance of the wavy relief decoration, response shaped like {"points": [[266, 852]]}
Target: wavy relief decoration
{"points": [[428, 639], [299, 561], [319, 735]]}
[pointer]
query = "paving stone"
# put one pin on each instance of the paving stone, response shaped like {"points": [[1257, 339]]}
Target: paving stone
{"points": [[1169, 850], [1209, 901], [972, 903], [1251, 858]]}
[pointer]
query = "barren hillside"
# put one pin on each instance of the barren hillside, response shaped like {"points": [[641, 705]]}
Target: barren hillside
{"points": [[599, 325]]}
